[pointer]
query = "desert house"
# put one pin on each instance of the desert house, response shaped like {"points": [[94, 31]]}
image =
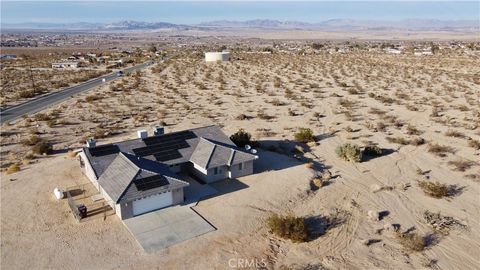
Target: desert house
{"points": [[141, 175], [66, 64], [217, 56]]}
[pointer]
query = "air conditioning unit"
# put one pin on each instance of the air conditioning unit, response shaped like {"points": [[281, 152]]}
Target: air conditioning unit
{"points": [[158, 130]]}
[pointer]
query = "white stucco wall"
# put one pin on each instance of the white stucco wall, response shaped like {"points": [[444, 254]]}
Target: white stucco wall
{"points": [[247, 169], [88, 170]]}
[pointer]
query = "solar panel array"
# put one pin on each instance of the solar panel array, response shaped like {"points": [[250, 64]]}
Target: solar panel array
{"points": [[165, 147], [104, 150], [150, 182]]}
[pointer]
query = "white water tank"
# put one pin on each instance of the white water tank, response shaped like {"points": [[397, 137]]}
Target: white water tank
{"points": [[58, 193], [217, 56]]}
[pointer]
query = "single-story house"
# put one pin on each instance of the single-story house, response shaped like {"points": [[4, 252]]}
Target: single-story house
{"points": [[141, 175], [66, 65]]}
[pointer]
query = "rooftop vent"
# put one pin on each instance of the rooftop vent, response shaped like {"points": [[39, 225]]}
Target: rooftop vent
{"points": [[158, 130], [142, 134], [91, 143]]}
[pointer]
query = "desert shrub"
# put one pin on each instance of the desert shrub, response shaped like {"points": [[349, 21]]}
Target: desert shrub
{"points": [[398, 140], [474, 143], [372, 150], [304, 135], [417, 141], [435, 189], [42, 148], [440, 150], [91, 98], [349, 152], [461, 165], [241, 117], [32, 140], [454, 133], [241, 138], [41, 117], [13, 169], [412, 241], [288, 227], [264, 116]]}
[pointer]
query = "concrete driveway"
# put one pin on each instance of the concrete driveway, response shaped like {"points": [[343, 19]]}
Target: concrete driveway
{"points": [[166, 227]]}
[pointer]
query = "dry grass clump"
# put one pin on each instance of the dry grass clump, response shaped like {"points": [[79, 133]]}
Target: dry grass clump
{"points": [[304, 135], [474, 143], [461, 165], [288, 227], [399, 140], [412, 241], [454, 133], [440, 150], [436, 189], [13, 169], [32, 140], [349, 152]]}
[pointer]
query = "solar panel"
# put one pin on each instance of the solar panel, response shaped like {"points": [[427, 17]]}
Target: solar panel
{"points": [[165, 147], [150, 182], [104, 150]]}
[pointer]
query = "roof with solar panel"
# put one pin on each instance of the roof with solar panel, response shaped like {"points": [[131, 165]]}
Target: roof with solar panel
{"points": [[207, 147], [129, 177]]}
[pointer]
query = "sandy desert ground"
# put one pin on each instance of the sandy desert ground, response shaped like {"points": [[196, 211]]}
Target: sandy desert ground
{"points": [[424, 111]]}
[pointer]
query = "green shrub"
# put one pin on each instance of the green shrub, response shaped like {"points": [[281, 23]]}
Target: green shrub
{"points": [[42, 148], [241, 138], [304, 135], [288, 227], [349, 152]]}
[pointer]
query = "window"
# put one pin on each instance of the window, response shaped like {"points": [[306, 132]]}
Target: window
{"points": [[215, 171], [240, 166]]}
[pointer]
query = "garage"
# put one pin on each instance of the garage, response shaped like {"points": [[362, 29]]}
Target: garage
{"points": [[151, 203]]}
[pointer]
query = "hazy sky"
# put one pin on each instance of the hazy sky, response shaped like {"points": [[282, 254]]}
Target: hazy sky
{"points": [[196, 12]]}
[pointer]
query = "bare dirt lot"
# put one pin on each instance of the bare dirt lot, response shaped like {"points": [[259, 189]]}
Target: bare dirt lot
{"points": [[422, 111]]}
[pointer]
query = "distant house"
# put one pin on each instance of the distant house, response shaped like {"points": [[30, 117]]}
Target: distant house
{"points": [[8, 56], [144, 174], [66, 65]]}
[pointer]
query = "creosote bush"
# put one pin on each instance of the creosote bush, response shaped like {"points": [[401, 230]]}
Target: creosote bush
{"points": [[349, 152], [304, 135], [42, 148], [241, 138], [434, 189], [288, 227], [412, 241]]}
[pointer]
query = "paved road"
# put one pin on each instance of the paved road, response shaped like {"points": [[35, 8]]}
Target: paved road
{"points": [[45, 101]]}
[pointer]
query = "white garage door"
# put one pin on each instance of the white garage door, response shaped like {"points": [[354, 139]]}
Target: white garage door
{"points": [[152, 203]]}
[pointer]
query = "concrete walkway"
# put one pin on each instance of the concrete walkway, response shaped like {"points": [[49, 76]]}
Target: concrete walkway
{"points": [[160, 229]]}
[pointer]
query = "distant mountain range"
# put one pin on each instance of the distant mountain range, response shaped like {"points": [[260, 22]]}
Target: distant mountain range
{"points": [[335, 24]]}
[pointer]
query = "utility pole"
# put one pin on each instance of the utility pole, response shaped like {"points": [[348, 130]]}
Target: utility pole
{"points": [[33, 80]]}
